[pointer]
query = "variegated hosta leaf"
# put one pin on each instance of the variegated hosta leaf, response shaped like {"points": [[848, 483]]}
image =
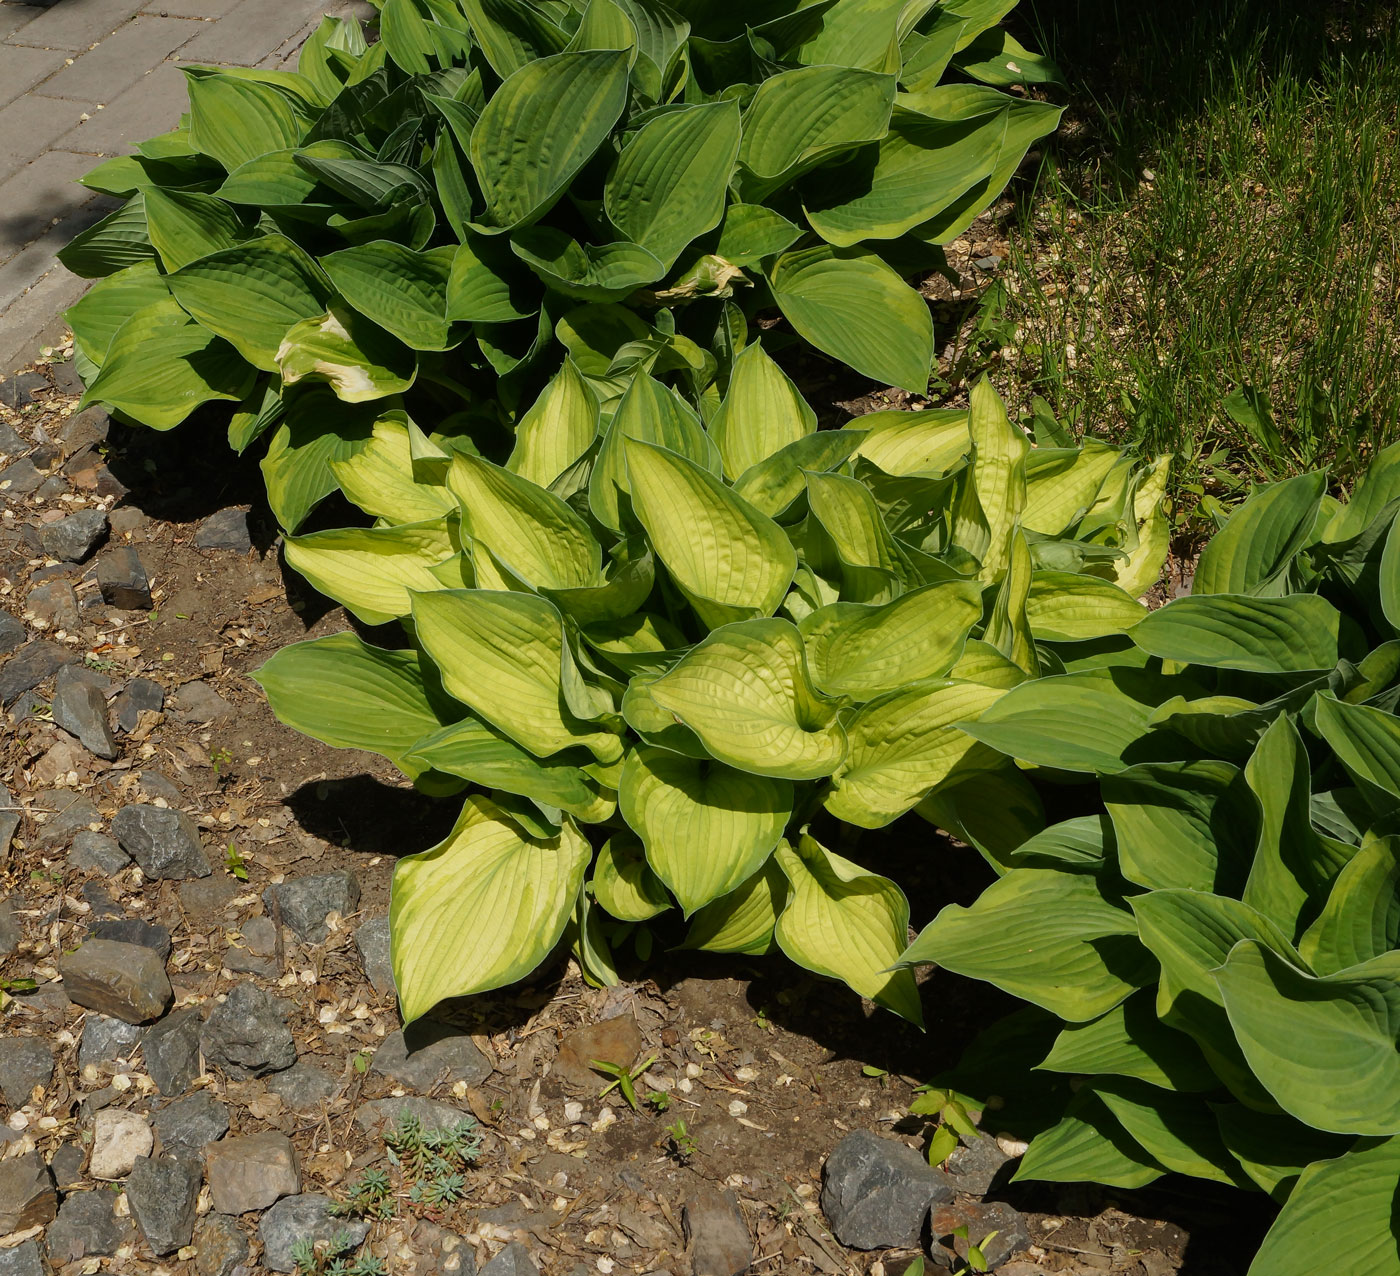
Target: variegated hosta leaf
{"points": [[482, 908], [623, 882], [848, 924], [505, 655], [904, 744], [373, 570], [380, 477], [742, 921], [762, 413], [706, 827], [356, 358], [745, 693], [732, 562], [861, 651]]}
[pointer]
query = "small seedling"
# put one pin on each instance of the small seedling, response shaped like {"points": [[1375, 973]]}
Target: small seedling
{"points": [[952, 1120], [682, 1145], [234, 863], [623, 1079], [976, 1254], [219, 759], [432, 1165], [332, 1258], [659, 1100]]}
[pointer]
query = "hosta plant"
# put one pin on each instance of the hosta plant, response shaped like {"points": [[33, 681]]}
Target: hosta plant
{"points": [[666, 663], [432, 221], [1213, 943]]}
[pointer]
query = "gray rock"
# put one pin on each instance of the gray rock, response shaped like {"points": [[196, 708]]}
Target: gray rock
{"points": [[198, 702], [305, 902], [129, 930], [514, 1260], [22, 1260], [84, 429], [80, 709], [20, 478], [251, 1172], [209, 898], [27, 1196], [24, 1063], [123, 581], [69, 818], [975, 1165], [247, 1036], [10, 933], [228, 529], [12, 633], [191, 1122], [260, 936], [55, 603], [171, 1051], [163, 841], [51, 488], [87, 1224], [876, 1192], [303, 1087], [97, 852], [304, 1217], [139, 694], [156, 786], [163, 1192], [372, 940], [221, 1246], [381, 1113], [716, 1233], [427, 1052], [107, 1040], [18, 391], [11, 444], [239, 961], [30, 665], [66, 1166], [73, 538], [97, 899], [126, 981]]}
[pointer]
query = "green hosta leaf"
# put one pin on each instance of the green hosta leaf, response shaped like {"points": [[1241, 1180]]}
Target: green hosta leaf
{"points": [[540, 127], [505, 655], [1187, 824], [1361, 918], [314, 430], [252, 294], [997, 58], [1251, 554], [356, 358], [707, 828], [732, 562], [475, 752], [745, 692], [1048, 936], [848, 924], [1377, 488], [861, 651], [1366, 742], [1067, 607], [1061, 484], [624, 884], [1272, 1147], [487, 285], [1293, 634], [380, 479], [372, 570], [994, 811], [160, 366], [345, 693], [1083, 842], [1088, 1146], [1324, 1048], [773, 485], [512, 36], [858, 33], [929, 442], [276, 181], [1076, 722], [852, 306], [234, 120], [399, 289], [607, 272], [109, 303], [481, 909], [1008, 627], [744, 920], [1130, 1041], [185, 225], [668, 185], [762, 413], [1178, 1131], [904, 744], [752, 232], [528, 529], [559, 428], [1223, 725]]}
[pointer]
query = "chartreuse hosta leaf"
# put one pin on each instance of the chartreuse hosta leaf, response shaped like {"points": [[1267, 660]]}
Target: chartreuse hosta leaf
{"points": [[380, 479], [775, 484], [109, 303], [746, 694], [1143, 566], [1293, 634], [762, 413], [873, 566], [1061, 484], [623, 882], [345, 693], [481, 909], [929, 442], [1068, 607], [904, 744], [372, 570], [731, 561], [506, 656], [559, 428], [1361, 918], [359, 360], [1251, 554], [1089, 1145], [744, 920], [706, 827], [1008, 628], [846, 923]]}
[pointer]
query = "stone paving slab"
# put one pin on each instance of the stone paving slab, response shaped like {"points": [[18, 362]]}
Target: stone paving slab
{"points": [[81, 80]]}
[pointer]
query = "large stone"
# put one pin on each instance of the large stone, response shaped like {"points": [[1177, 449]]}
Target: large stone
{"points": [[514, 1260], [12, 633], [20, 478], [19, 391], [27, 1196], [996, 1223], [73, 538], [123, 580], [306, 902], [131, 930], [372, 940], [66, 1166], [126, 981], [303, 1087], [716, 1234], [84, 429], [227, 529], [381, 1114], [163, 1193], [877, 1192], [87, 1226], [163, 841], [251, 1172], [10, 933], [974, 1165], [428, 1052], [140, 695], [221, 1248], [191, 1123], [247, 1036], [22, 1260], [30, 665], [617, 1040], [119, 1137], [71, 814], [298, 1218], [107, 1040], [198, 703], [171, 1051], [55, 603], [96, 852], [80, 709], [24, 1063]]}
